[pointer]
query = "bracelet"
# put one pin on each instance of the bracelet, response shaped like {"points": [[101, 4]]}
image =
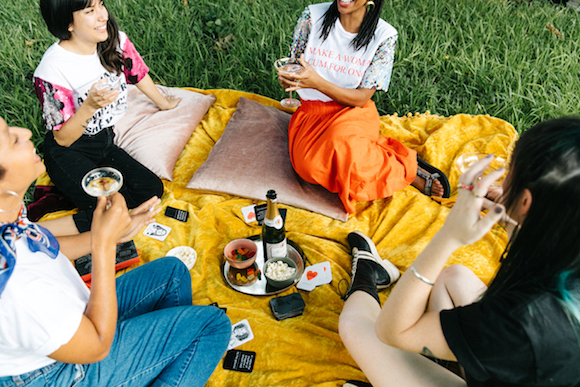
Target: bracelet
{"points": [[421, 277]]}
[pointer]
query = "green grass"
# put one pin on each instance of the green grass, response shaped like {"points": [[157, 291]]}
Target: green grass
{"points": [[494, 57]]}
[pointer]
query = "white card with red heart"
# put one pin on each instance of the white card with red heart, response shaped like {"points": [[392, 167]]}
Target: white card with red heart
{"points": [[249, 213], [315, 275]]}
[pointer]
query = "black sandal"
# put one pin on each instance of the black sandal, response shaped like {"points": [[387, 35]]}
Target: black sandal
{"points": [[433, 174]]}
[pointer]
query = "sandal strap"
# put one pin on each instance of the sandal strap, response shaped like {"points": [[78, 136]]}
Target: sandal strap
{"points": [[429, 178]]}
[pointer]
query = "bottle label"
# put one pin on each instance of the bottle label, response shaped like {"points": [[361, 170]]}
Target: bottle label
{"points": [[277, 222], [277, 249]]}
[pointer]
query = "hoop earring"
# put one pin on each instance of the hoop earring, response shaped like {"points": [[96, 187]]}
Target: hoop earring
{"points": [[370, 5], [13, 194]]}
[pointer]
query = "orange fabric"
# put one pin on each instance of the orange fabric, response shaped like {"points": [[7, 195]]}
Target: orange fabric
{"points": [[339, 147]]}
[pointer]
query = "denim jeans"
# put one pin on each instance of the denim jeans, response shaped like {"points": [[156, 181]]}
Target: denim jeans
{"points": [[66, 167], [161, 339]]}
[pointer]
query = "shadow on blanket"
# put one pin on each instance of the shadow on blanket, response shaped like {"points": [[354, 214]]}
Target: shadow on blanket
{"points": [[307, 350]]}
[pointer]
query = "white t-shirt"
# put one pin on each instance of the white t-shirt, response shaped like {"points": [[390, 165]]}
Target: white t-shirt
{"points": [[62, 81], [40, 310], [334, 58]]}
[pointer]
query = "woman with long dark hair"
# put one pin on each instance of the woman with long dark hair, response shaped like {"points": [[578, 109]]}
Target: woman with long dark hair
{"points": [[524, 329], [347, 52], [140, 329], [80, 111]]}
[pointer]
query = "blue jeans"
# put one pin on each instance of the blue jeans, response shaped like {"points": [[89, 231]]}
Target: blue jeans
{"points": [[161, 339]]}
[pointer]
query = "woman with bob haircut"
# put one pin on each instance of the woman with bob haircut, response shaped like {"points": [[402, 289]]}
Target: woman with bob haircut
{"points": [[140, 329], [347, 52], [522, 330], [80, 110]]}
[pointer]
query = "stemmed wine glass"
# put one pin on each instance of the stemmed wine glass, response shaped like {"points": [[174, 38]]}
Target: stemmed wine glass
{"points": [[466, 161], [290, 66], [102, 181], [114, 82]]}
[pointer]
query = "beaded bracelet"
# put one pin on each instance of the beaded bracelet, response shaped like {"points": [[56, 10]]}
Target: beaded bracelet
{"points": [[421, 277]]}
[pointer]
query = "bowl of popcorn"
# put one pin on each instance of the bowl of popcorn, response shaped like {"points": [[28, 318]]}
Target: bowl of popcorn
{"points": [[240, 253], [186, 254], [280, 272]]}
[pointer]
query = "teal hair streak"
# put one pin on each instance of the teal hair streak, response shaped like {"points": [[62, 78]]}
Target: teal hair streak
{"points": [[570, 296]]}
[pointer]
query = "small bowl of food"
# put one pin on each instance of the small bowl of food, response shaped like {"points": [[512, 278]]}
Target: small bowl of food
{"points": [[186, 254], [280, 272], [240, 253]]}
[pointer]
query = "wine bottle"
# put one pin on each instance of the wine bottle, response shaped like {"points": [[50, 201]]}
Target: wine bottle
{"points": [[273, 232]]}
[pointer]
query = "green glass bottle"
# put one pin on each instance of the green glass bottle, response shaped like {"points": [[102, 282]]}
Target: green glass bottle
{"points": [[273, 232]]}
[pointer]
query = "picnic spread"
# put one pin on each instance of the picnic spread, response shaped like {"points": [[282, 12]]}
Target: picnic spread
{"points": [[305, 350]]}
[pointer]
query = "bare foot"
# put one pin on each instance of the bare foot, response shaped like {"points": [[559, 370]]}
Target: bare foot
{"points": [[436, 188]]}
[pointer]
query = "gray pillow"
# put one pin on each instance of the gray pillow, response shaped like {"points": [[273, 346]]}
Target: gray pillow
{"points": [[252, 157]]}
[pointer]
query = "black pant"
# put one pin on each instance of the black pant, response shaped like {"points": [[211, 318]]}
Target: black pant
{"points": [[66, 167]]}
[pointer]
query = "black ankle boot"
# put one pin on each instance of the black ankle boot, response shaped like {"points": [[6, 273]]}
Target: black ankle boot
{"points": [[369, 271]]}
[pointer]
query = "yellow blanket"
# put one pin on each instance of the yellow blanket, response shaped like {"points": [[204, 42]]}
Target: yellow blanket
{"points": [[307, 350]]}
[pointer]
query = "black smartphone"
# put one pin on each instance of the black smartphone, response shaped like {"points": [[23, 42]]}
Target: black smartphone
{"points": [[176, 213], [287, 306], [241, 361]]}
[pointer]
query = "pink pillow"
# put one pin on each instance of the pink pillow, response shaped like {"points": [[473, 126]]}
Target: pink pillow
{"points": [[252, 157], [156, 138]]}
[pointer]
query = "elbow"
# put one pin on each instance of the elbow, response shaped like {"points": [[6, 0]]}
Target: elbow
{"points": [[101, 354], [62, 142]]}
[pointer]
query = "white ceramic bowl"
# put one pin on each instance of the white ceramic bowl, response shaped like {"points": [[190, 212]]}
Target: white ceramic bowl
{"points": [[185, 253]]}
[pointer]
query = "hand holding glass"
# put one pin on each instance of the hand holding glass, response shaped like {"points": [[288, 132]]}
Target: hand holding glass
{"points": [[102, 181], [113, 83], [289, 66], [466, 161]]}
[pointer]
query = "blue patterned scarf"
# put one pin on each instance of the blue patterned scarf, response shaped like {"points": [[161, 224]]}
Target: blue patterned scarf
{"points": [[38, 238]]}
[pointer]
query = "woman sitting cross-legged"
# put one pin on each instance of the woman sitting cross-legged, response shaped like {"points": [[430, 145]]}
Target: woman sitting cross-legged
{"points": [[522, 330], [138, 330], [81, 83], [347, 52]]}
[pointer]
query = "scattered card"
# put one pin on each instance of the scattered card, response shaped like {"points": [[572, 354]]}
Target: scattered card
{"points": [[241, 334], [242, 361], [249, 213], [315, 275], [157, 231]]}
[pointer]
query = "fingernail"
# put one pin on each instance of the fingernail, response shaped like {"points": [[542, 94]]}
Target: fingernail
{"points": [[498, 210], [489, 155]]}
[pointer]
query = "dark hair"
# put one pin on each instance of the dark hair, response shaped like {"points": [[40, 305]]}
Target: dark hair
{"points": [[367, 28], [58, 15], [545, 253]]}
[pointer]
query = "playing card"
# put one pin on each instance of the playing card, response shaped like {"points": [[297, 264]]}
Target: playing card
{"points": [[157, 231], [315, 275], [305, 283], [249, 213], [241, 334]]}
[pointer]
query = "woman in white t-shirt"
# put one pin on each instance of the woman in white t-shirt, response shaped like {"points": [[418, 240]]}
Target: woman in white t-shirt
{"points": [[138, 330], [79, 113], [347, 51]]}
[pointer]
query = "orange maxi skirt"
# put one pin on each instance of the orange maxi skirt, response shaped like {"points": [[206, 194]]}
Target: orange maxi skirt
{"points": [[339, 148]]}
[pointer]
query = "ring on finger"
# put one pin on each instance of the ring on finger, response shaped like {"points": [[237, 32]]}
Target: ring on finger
{"points": [[468, 187]]}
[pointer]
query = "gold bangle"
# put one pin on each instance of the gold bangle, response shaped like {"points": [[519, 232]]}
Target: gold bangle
{"points": [[421, 277]]}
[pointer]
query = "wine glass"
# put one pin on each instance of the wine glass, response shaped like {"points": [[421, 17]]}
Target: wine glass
{"points": [[466, 161], [102, 181], [289, 66], [114, 82]]}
